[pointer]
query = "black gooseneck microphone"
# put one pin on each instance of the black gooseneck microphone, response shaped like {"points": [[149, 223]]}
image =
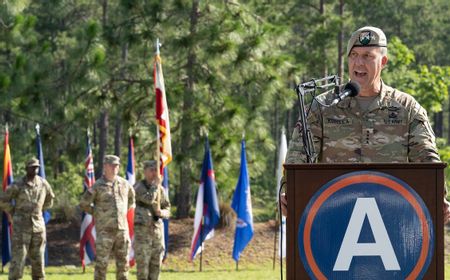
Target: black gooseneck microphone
{"points": [[351, 89]]}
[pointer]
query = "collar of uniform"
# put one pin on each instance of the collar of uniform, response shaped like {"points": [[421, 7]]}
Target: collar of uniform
{"points": [[384, 95], [347, 103], [31, 183], [379, 102], [108, 183]]}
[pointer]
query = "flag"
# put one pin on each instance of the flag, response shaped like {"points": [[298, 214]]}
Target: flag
{"points": [[131, 178], [242, 205], [162, 116], [163, 134], [165, 184], [87, 228], [281, 159], [207, 209], [46, 214], [6, 223]]}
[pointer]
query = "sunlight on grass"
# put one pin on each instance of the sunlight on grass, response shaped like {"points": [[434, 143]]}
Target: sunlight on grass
{"points": [[262, 272]]}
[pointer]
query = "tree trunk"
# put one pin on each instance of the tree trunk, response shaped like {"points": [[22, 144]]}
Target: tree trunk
{"points": [[324, 51], [103, 122], [184, 195], [438, 124], [118, 125], [341, 50], [103, 142], [118, 134], [448, 123]]}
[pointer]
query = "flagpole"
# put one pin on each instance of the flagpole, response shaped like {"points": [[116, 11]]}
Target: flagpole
{"points": [[6, 132], [83, 264], [275, 237], [201, 229], [158, 142], [201, 238]]}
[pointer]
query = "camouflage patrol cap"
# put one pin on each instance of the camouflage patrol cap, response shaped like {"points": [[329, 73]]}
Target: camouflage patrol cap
{"points": [[112, 159], [150, 164], [367, 36], [33, 162]]}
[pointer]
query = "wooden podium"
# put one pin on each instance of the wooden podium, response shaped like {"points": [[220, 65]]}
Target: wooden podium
{"points": [[307, 192]]}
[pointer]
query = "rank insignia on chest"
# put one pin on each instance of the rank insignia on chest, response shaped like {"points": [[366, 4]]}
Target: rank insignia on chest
{"points": [[393, 115], [393, 111]]}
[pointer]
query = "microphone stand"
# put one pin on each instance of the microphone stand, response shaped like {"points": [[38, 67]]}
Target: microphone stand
{"points": [[302, 90], [311, 155]]}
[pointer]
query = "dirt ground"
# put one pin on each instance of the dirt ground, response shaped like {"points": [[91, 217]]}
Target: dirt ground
{"points": [[63, 243]]}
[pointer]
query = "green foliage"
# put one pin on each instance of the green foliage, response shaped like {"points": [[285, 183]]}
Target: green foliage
{"points": [[228, 72], [68, 187], [444, 153], [428, 84]]}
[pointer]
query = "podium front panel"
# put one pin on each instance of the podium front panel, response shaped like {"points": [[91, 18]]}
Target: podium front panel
{"points": [[305, 180]]}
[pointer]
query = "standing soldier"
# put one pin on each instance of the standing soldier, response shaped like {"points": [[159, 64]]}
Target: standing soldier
{"points": [[25, 200], [108, 201], [152, 205]]}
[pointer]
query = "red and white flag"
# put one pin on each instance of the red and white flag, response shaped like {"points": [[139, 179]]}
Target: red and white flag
{"points": [[87, 231], [131, 178], [163, 134], [162, 115]]}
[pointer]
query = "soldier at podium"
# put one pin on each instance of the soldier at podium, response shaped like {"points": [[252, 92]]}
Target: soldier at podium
{"points": [[381, 124]]}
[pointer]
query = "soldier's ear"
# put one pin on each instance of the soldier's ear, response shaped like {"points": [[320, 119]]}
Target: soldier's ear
{"points": [[384, 61]]}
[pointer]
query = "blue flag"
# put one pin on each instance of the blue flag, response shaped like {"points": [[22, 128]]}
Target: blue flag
{"points": [[165, 184], [242, 205], [207, 213], [46, 214]]}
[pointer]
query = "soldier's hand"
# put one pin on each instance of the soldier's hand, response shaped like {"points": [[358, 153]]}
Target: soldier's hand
{"points": [[283, 201], [158, 212]]}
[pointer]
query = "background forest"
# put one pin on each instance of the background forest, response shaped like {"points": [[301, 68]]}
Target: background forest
{"points": [[229, 68]]}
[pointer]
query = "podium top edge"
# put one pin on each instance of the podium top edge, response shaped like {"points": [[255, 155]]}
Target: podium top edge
{"points": [[362, 165]]}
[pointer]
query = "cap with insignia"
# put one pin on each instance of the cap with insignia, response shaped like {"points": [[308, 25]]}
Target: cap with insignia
{"points": [[112, 159], [367, 36], [33, 162], [149, 164]]}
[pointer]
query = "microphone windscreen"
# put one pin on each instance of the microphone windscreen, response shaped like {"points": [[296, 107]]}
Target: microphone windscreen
{"points": [[353, 87]]}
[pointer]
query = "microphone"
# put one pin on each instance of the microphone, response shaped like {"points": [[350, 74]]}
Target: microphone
{"points": [[351, 89]]}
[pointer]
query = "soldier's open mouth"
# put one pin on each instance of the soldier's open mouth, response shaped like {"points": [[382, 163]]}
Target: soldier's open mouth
{"points": [[359, 74]]}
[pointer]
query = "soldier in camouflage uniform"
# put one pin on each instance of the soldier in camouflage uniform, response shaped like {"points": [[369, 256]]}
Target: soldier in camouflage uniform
{"points": [[152, 204], [25, 200], [108, 201], [381, 124]]}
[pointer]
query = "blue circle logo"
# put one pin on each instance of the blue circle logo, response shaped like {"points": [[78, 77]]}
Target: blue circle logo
{"points": [[366, 225]]}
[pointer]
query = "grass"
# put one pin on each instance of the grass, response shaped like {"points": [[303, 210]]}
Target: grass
{"points": [[262, 272]]}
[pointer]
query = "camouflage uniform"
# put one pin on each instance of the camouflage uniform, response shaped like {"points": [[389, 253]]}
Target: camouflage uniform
{"points": [[109, 202], [148, 229], [25, 200], [395, 128]]}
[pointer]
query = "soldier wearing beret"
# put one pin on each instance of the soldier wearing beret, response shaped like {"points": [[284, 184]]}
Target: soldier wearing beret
{"points": [[381, 124], [108, 201], [152, 205], [25, 200]]}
